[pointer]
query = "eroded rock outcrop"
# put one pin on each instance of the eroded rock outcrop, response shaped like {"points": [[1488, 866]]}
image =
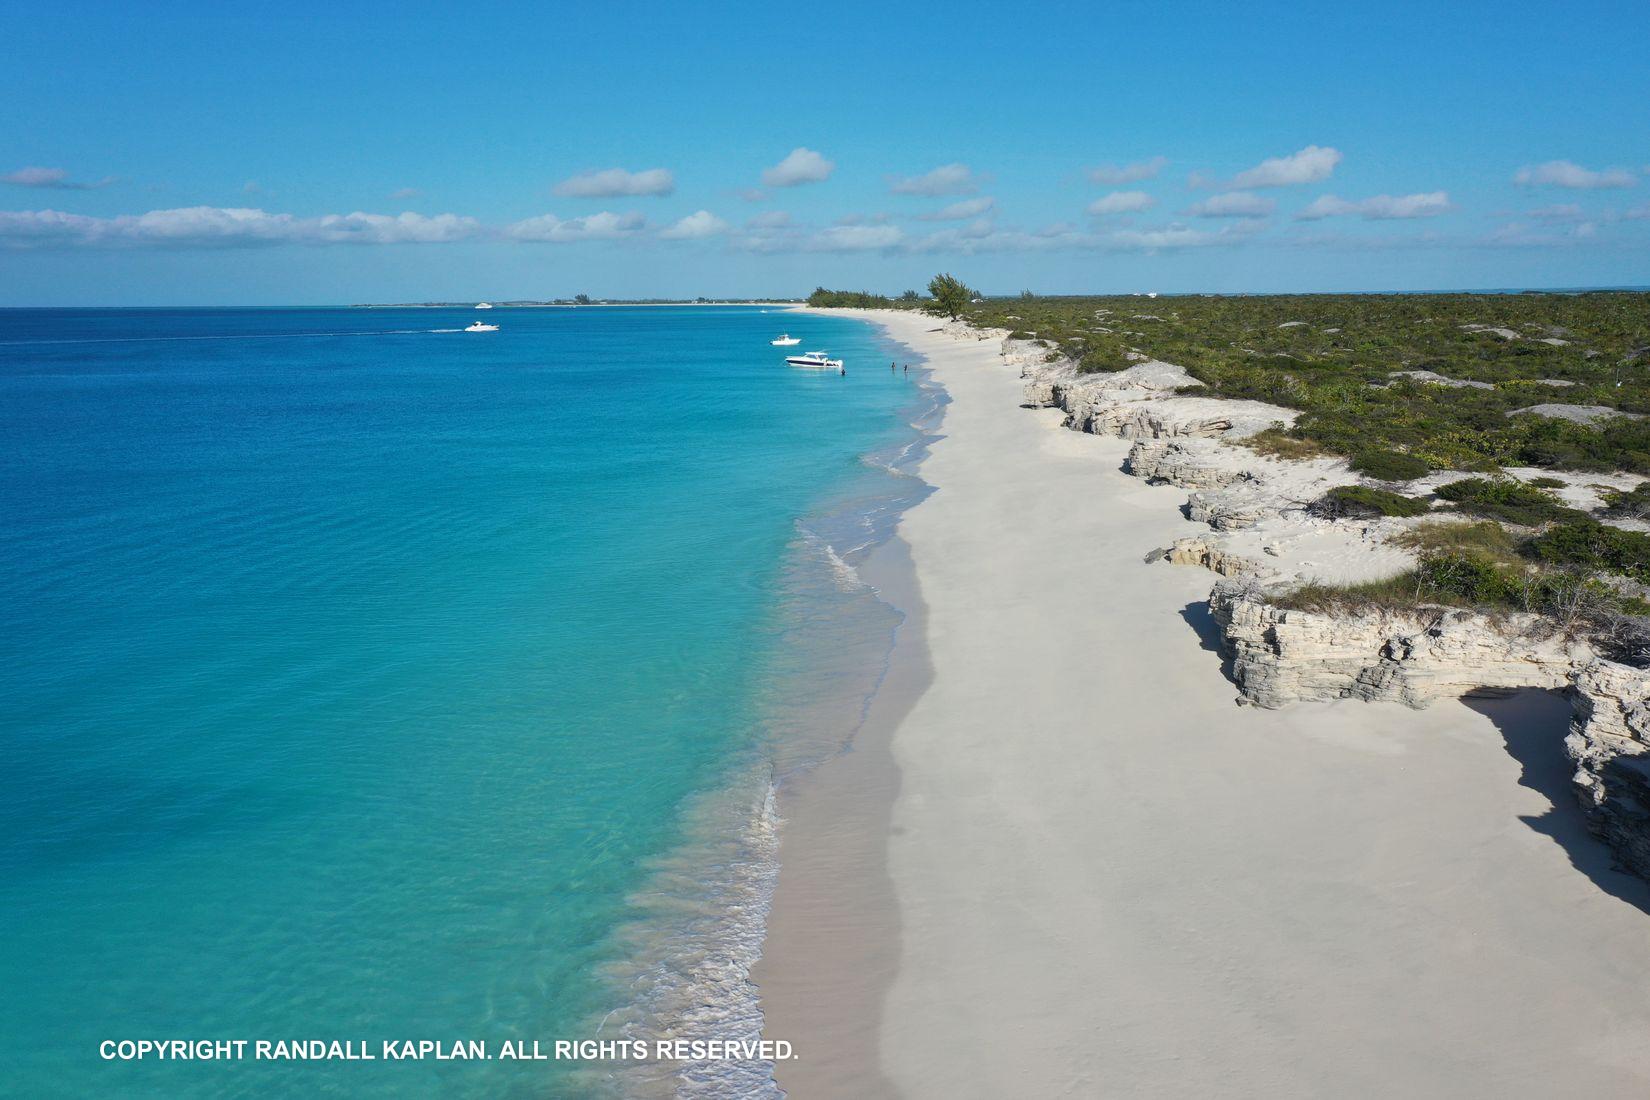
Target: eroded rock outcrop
{"points": [[1143, 402], [1610, 742], [1284, 655]]}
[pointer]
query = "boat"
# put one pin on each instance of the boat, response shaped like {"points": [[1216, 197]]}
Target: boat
{"points": [[786, 340], [479, 327], [484, 305], [814, 359]]}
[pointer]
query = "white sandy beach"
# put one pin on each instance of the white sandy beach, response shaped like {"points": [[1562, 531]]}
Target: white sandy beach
{"points": [[1062, 862]]}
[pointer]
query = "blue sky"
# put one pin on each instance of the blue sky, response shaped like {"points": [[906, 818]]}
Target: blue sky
{"points": [[178, 153]]}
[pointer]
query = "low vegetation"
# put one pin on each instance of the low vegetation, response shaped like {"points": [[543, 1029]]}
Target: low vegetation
{"points": [[1365, 502], [1507, 500], [1383, 465], [853, 299], [1335, 357], [1632, 504], [1591, 545]]}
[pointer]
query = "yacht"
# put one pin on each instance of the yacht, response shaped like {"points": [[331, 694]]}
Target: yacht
{"points": [[484, 305], [814, 359], [479, 327], [786, 340]]}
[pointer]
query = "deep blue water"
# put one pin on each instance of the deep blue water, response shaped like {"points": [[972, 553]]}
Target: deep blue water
{"points": [[379, 684]]}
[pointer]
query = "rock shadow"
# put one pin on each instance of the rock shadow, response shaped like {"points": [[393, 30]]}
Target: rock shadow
{"points": [[1533, 723]]}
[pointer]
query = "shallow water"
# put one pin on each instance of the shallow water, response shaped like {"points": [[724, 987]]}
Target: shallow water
{"points": [[362, 679]]}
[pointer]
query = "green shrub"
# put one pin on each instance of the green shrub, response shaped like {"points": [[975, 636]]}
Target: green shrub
{"points": [[1593, 545], [1365, 502], [1632, 504], [1547, 482], [1506, 500], [1390, 465]]}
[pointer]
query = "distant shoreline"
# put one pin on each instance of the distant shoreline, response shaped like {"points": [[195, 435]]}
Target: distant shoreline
{"points": [[788, 302]]}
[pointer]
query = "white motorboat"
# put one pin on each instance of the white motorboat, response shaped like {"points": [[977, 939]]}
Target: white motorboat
{"points": [[818, 359], [786, 340], [484, 305], [479, 327]]}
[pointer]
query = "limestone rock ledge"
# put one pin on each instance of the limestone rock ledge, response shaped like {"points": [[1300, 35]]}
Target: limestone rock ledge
{"points": [[1610, 742], [1282, 655]]}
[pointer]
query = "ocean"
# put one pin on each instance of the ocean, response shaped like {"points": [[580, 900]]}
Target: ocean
{"points": [[366, 680]]}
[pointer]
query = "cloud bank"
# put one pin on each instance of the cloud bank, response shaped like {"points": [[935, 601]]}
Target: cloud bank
{"points": [[54, 179], [1378, 208], [1565, 173], [549, 229], [1233, 204], [611, 183], [211, 226]]}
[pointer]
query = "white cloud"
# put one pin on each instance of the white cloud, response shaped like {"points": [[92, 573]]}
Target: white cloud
{"points": [[856, 238], [1558, 212], [1310, 165], [695, 227], [1233, 204], [960, 211], [207, 226], [801, 165], [1564, 173], [1519, 235], [595, 227], [1177, 236], [769, 219], [55, 179], [1379, 208], [1122, 202], [405, 193], [251, 187], [947, 179], [1638, 214], [612, 183], [837, 238], [1129, 173]]}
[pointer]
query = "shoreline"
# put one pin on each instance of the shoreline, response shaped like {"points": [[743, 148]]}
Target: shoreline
{"points": [[1099, 873]]}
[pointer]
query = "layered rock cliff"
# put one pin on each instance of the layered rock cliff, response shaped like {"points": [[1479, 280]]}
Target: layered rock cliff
{"points": [[1610, 742], [1283, 655]]}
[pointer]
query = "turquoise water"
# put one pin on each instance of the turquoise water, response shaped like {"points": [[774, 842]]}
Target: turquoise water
{"points": [[361, 680]]}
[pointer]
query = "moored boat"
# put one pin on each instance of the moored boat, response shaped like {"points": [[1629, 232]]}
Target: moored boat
{"points": [[786, 340], [818, 359]]}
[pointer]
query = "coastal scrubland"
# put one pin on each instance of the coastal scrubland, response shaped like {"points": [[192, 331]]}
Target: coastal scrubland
{"points": [[1440, 378], [1412, 387]]}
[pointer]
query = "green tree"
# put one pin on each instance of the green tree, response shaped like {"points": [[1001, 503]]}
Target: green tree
{"points": [[582, 299], [950, 294]]}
